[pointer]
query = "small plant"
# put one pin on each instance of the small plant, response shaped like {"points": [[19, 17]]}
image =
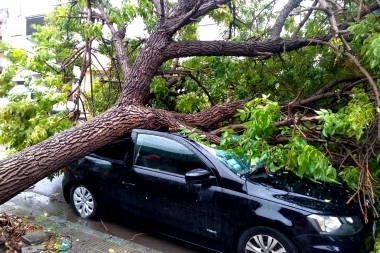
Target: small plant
{"points": [[50, 229], [26, 219], [42, 217], [57, 212]]}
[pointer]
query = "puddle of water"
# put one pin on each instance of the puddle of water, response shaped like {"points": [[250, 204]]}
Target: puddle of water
{"points": [[51, 188]]}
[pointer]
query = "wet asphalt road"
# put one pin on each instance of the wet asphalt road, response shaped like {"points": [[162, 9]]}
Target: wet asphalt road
{"points": [[48, 197]]}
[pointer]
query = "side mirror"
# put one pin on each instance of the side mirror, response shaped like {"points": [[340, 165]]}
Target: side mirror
{"points": [[197, 176]]}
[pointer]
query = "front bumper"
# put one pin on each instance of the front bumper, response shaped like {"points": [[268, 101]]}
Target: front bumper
{"points": [[362, 242]]}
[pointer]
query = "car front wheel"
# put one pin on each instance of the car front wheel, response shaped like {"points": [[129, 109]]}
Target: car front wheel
{"points": [[83, 202], [264, 240]]}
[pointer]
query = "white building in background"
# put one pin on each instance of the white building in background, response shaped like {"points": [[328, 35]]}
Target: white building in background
{"points": [[3, 20], [16, 18]]}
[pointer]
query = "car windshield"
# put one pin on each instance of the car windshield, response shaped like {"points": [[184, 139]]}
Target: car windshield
{"points": [[237, 164]]}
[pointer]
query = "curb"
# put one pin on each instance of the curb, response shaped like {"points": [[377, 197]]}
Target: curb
{"points": [[83, 239]]}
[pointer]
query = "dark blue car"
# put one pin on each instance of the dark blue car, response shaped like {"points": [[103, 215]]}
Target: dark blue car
{"points": [[211, 198]]}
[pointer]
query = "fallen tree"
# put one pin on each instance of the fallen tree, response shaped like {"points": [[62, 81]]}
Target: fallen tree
{"points": [[138, 65]]}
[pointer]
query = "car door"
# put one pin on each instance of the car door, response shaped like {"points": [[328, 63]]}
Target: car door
{"points": [[175, 207], [107, 168]]}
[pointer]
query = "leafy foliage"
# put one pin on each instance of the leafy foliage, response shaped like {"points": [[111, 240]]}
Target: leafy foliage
{"points": [[190, 103], [104, 96], [305, 159], [351, 120], [25, 122], [259, 117]]}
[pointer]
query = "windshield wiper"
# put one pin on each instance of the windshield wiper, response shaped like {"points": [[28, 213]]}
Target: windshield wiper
{"points": [[254, 170]]}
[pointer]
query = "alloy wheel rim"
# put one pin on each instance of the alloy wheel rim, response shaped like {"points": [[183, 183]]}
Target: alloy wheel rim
{"points": [[264, 244], [83, 201]]}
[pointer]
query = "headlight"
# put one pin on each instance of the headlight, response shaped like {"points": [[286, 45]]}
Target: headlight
{"points": [[335, 225]]}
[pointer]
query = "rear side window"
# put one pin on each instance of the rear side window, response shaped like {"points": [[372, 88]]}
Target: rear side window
{"points": [[114, 151], [164, 154]]}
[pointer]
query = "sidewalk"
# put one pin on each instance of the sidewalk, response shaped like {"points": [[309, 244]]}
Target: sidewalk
{"points": [[83, 239]]}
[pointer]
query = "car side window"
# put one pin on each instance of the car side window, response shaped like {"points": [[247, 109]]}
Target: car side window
{"points": [[114, 151], [164, 154]]}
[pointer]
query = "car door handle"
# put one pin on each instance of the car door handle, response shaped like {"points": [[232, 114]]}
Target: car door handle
{"points": [[128, 185]]}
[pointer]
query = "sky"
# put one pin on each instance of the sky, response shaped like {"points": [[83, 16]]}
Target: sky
{"points": [[208, 30], [26, 8]]}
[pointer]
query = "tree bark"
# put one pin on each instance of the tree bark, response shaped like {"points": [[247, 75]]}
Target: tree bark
{"points": [[32, 164], [27, 167]]}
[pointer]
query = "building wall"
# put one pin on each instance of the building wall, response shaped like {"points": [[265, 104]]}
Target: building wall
{"points": [[3, 20], [13, 21], [14, 17]]}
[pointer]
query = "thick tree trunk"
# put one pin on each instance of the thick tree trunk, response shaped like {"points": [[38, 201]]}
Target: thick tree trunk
{"points": [[27, 167]]}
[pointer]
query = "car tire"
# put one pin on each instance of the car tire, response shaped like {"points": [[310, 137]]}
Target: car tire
{"points": [[264, 239], [83, 202]]}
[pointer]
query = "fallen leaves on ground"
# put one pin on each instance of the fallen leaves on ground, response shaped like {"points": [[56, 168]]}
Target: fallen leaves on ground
{"points": [[13, 227]]}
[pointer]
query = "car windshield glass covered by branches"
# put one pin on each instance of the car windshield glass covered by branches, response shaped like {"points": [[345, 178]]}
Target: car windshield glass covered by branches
{"points": [[236, 163]]}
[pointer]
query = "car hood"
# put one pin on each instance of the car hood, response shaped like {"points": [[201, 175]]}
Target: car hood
{"points": [[289, 189]]}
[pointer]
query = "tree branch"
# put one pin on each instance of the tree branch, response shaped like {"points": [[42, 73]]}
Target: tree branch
{"points": [[331, 16], [71, 59], [172, 25], [206, 119], [189, 74], [361, 13], [121, 52], [186, 11], [302, 23], [203, 88], [284, 14], [315, 98], [240, 127], [366, 74], [227, 48], [336, 82], [162, 9]]}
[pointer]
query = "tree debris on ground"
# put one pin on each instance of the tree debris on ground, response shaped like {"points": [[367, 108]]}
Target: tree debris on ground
{"points": [[12, 230]]}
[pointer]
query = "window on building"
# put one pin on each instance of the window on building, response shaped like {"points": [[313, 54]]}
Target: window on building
{"points": [[20, 82], [31, 21], [1, 38]]}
